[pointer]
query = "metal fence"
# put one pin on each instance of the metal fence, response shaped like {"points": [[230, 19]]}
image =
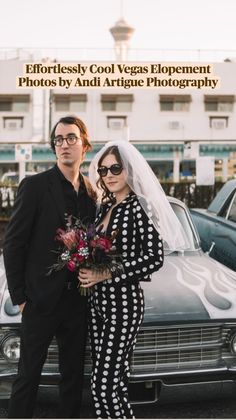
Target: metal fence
{"points": [[191, 194], [187, 191]]}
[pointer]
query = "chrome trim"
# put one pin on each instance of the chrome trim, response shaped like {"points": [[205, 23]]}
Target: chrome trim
{"points": [[211, 248], [172, 350], [230, 206], [230, 340], [8, 375], [157, 375], [190, 347], [165, 350]]}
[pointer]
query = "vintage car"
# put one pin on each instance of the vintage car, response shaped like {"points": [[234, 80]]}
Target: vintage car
{"points": [[217, 225], [187, 343], [12, 178]]}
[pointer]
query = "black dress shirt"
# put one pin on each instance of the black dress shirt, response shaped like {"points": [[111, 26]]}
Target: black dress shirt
{"points": [[78, 204]]}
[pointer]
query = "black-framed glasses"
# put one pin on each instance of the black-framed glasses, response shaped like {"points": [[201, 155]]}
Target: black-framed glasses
{"points": [[71, 139], [115, 169]]}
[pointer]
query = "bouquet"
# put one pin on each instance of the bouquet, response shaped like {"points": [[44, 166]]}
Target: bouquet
{"points": [[85, 246]]}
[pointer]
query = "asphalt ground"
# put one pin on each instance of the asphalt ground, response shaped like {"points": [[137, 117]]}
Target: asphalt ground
{"points": [[218, 408]]}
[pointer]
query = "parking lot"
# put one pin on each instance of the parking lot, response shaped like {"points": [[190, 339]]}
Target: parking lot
{"points": [[219, 408]]}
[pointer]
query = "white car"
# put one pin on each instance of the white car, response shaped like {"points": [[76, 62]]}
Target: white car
{"points": [[186, 347], [13, 177]]}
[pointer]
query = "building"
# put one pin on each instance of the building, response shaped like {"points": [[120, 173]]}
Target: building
{"points": [[170, 126]]}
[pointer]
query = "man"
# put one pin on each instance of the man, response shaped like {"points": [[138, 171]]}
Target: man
{"points": [[51, 305]]}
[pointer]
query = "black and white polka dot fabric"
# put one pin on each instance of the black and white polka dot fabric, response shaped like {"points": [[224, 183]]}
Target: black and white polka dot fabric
{"points": [[117, 306]]}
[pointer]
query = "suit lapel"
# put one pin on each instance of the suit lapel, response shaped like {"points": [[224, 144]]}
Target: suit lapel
{"points": [[57, 193]]}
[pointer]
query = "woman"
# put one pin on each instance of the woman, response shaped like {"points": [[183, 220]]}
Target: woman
{"points": [[116, 304]]}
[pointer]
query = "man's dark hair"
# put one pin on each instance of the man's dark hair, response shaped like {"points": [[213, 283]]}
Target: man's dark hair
{"points": [[82, 127]]}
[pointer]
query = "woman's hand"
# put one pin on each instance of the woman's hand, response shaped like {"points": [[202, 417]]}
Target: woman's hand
{"points": [[89, 278], [21, 306]]}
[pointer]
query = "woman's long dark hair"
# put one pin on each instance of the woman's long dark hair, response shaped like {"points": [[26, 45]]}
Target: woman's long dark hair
{"points": [[107, 195]]}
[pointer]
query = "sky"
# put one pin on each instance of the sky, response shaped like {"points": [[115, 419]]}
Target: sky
{"points": [[159, 24]]}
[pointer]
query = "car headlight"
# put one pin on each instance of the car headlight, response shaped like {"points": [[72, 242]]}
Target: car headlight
{"points": [[11, 309], [10, 347], [232, 343]]}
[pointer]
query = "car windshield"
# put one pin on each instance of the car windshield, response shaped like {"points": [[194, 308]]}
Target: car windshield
{"points": [[231, 214], [185, 221], [13, 177]]}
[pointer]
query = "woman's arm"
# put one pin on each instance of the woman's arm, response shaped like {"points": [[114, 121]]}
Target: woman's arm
{"points": [[151, 254], [149, 260]]}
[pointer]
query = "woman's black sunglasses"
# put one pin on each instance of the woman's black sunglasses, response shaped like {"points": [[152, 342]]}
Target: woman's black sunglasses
{"points": [[115, 169]]}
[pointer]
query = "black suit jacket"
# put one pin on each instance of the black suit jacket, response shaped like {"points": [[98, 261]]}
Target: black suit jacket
{"points": [[38, 212]]}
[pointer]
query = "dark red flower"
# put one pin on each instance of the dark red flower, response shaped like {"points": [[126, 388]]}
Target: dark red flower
{"points": [[71, 265], [104, 243], [81, 244], [80, 258]]}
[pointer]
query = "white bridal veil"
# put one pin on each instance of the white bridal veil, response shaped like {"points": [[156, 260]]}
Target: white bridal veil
{"points": [[148, 189]]}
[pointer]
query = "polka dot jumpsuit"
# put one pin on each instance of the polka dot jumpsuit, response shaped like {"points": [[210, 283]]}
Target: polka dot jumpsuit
{"points": [[117, 306]]}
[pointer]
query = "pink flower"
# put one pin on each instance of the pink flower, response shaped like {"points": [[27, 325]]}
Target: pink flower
{"points": [[69, 238], [71, 265]]}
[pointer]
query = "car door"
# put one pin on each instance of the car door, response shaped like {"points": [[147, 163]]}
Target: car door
{"points": [[224, 235]]}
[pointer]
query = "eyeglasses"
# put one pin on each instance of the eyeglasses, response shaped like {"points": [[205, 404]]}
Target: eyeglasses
{"points": [[71, 139], [115, 169]]}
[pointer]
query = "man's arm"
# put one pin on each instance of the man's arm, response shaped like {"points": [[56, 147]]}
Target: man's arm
{"points": [[17, 239]]}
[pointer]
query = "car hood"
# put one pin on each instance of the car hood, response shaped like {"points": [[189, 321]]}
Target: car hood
{"points": [[187, 288], [190, 288]]}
